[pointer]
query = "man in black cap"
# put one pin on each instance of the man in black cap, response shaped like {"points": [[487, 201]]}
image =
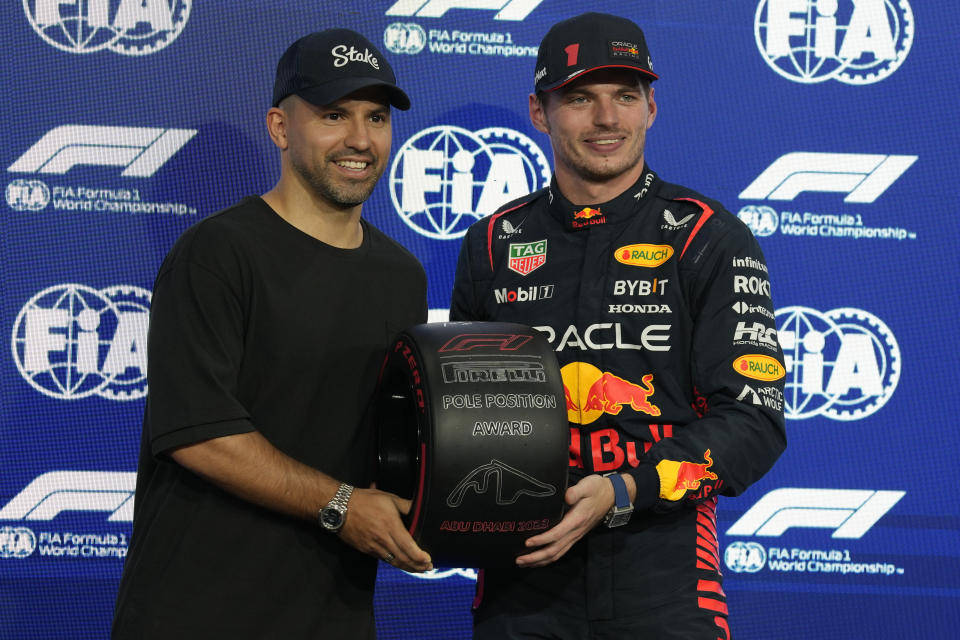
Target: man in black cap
{"points": [[269, 322], [657, 303]]}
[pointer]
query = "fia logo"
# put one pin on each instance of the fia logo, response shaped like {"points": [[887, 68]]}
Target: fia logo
{"points": [[129, 27], [852, 41], [843, 364], [445, 178], [72, 341], [404, 37]]}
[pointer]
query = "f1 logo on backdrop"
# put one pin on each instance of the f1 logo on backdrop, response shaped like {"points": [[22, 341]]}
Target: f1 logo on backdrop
{"points": [[129, 27], [54, 492], [445, 178], [141, 151], [842, 364], [72, 341], [852, 41], [506, 9], [863, 177], [850, 513]]}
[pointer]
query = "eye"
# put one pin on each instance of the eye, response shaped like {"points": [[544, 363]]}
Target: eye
{"points": [[333, 116]]}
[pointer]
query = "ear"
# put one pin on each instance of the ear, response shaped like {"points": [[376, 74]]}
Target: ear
{"points": [[538, 115], [652, 106], [277, 126]]}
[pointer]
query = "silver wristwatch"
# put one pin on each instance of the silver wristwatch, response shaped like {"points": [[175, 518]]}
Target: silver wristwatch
{"points": [[332, 516]]}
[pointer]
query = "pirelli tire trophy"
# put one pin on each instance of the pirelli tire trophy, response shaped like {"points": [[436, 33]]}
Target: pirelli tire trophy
{"points": [[473, 428]]}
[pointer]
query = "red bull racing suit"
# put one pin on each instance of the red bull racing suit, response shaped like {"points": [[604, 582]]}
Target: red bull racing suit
{"points": [[658, 306]]}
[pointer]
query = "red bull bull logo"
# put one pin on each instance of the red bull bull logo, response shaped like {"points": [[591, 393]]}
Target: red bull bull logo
{"points": [[586, 213], [590, 393], [677, 478]]}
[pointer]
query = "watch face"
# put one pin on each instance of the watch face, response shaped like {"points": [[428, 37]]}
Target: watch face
{"points": [[619, 518], [331, 518]]}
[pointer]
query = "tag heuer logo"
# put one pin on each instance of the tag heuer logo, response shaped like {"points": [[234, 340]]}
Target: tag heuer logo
{"points": [[527, 256]]}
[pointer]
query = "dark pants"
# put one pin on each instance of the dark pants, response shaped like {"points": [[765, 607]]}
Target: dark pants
{"points": [[655, 579]]}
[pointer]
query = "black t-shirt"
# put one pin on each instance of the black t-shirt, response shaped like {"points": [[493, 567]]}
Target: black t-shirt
{"points": [[257, 326]]}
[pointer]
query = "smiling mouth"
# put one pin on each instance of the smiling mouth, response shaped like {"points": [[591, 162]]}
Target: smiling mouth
{"points": [[354, 165]]}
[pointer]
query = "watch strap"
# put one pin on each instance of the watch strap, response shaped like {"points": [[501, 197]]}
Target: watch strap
{"points": [[620, 493]]}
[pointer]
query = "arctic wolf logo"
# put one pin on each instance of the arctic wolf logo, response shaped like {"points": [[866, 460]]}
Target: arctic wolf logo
{"points": [[508, 482]]}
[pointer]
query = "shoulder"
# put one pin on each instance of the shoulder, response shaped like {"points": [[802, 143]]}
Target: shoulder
{"points": [[482, 230], [712, 221], [218, 236], [380, 241]]}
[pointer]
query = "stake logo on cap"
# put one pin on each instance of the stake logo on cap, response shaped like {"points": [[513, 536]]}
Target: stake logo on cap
{"points": [[588, 42]]}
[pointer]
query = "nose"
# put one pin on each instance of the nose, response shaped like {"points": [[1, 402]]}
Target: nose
{"points": [[605, 113], [358, 134]]}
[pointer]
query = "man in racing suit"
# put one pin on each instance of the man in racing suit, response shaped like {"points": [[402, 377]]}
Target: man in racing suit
{"points": [[657, 303]]}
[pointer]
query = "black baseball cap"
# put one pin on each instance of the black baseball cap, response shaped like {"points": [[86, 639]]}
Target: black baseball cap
{"points": [[327, 65], [588, 42]]}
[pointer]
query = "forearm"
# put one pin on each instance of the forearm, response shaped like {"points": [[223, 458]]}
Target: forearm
{"points": [[248, 466]]}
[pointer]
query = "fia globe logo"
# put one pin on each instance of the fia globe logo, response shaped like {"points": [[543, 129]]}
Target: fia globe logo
{"points": [[842, 364], [404, 37], [445, 178], [128, 27], [745, 557], [72, 341], [852, 41]]}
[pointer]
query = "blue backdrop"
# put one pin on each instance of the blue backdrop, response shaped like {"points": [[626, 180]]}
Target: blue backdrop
{"points": [[828, 127]]}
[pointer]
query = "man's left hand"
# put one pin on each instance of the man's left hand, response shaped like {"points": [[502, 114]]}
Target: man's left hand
{"points": [[589, 500]]}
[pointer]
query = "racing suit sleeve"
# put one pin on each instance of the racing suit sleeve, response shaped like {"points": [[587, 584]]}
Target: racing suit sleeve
{"points": [[464, 301], [737, 373]]}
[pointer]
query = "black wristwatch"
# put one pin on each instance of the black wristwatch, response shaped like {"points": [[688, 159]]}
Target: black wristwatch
{"points": [[621, 511], [332, 516]]}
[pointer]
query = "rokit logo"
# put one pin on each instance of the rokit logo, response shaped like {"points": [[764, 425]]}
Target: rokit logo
{"points": [[445, 178], [72, 341], [515, 10], [140, 151], [128, 27], [523, 294], [843, 364], [855, 42]]}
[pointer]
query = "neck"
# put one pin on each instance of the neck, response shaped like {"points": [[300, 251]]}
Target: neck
{"points": [[582, 191], [316, 217]]}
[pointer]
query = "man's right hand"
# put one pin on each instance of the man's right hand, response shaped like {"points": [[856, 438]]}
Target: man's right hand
{"points": [[373, 525]]}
